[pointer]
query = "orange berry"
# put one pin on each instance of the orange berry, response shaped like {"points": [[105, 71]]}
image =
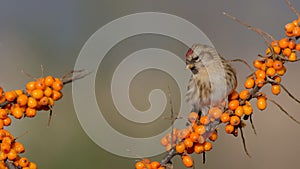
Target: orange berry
{"points": [[32, 165], [204, 120], [1, 124], [187, 161], [140, 165], [32, 103], [235, 120], [188, 142], [277, 65], [19, 92], [57, 84], [297, 47], [17, 112], [233, 104], [257, 63], [293, 56], [292, 44], [289, 27], [249, 83], [48, 91], [155, 165], [229, 128], [22, 99], [261, 103], [194, 136], [37, 93], [44, 101], [269, 62], [18, 147], [207, 146], [56, 95], [263, 67], [281, 71], [49, 80], [225, 118], [247, 108], [7, 121], [277, 79], [215, 112], [40, 84], [3, 113], [193, 117], [3, 157], [23, 162], [198, 148], [275, 89], [30, 112], [276, 49], [270, 72], [260, 74], [51, 102], [180, 147], [200, 129], [239, 111], [146, 161], [296, 31], [10, 95], [244, 94], [5, 147], [234, 95], [12, 154], [259, 82], [283, 43], [30, 85], [213, 136]]}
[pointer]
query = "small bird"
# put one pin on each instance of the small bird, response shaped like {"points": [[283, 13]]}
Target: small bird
{"points": [[212, 80]]}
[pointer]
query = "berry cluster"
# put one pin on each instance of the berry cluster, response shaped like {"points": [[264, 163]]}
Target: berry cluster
{"points": [[269, 69], [147, 164]]}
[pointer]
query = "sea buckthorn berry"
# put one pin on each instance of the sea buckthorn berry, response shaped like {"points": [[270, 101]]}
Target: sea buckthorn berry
{"points": [[249, 83], [3, 156], [155, 164], [247, 109], [204, 120], [30, 112], [270, 72], [260, 74], [48, 91], [198, 148], [275, 89], [297, 47], [37, 93], [51, 102], [19, 92], [239, 111], [32, 165], [49, 80], [180, 147], [234, 95], [233, 104], [7, 121], [207, 146], [164, 141], [188, 142], [283, 43], [193, 117], [44, 101], [261, 103], [213, 136], [23, 162], [287, 52], [274, 43], [229, 128], [10, 95], [292, 44], [276, 49], [269, 62], [2, 99], [3, 113], [12, 154], [17, 112], [1, 91], [146, 160], [215, 112], [281, 71], [32, 103], [18, 147], [22, 99], [225, 118], [194, 136], [30, 85], [1, 124], [259, 82], [277, 79], [187, 161], [277, 65], [235, 120], [296, 31], [257, 63], [57, 84], [263, 67], [244, 94], [200, 129], [5, 147], [289, 27], [140, 165], [40, 83], [184, 133], [293, 56]]}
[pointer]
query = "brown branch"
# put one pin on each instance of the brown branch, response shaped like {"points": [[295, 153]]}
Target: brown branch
{"points": [[292, 8], [243, 61], [79, 75], [244, 142]]}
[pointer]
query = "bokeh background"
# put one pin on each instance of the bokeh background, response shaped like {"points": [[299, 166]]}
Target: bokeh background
{"points": [[52, 33]]}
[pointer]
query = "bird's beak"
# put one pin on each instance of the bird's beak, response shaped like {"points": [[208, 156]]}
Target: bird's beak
{"points": [[189, 66]]}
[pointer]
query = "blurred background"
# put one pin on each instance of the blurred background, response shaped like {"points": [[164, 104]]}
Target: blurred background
{"points": [[52, 33]]}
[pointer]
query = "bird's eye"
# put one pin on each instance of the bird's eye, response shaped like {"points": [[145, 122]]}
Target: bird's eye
{"points": [[196, 58]]}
